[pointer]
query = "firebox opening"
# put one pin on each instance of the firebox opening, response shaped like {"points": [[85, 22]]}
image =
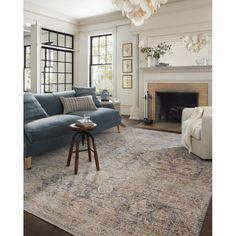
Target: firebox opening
{"points": [[169, 105]]}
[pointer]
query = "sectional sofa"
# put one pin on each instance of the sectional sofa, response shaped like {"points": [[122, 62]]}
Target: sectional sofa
{"points": [[50, 129]]}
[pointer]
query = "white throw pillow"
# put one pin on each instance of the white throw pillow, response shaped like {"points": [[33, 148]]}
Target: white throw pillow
{"points": [[72, 104]]}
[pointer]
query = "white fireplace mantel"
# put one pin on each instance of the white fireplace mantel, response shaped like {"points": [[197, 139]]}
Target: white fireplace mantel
{"points": [[169, 74], [176, 69]]}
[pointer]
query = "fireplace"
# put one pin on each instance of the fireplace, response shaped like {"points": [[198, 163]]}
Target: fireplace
{"points": [[167, 101], [169, 105]]}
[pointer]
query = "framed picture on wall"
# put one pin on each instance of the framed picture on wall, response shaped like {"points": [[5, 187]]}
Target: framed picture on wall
{"points": [[127, 65], [127, 50], [127, 81]]}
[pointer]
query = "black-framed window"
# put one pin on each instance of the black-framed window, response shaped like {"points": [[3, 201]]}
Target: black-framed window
{"points": [[27, 68], [101, 62], [57, 39], [56, 61]]}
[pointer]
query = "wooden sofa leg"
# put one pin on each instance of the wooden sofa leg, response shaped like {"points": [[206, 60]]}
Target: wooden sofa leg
{"points": [[118, 128], [28, 162]]}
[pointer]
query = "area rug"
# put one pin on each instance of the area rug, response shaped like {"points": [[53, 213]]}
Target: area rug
{"points": [[148, 185]]}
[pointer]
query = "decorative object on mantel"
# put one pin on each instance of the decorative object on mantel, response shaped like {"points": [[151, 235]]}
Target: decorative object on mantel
{"points": [[202, 62], [154, 53], [138, 10], [194, 43]]}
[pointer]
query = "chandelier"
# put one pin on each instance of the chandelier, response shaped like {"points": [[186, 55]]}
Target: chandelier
{"points": [[138, 10]]}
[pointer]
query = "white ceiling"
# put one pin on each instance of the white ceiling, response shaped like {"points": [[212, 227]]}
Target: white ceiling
{"points": [[73, 9], [76, 9]]}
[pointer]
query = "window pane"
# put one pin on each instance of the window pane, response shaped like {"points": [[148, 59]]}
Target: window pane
{"points": [[54, 88], [53, 39], [61, 56], [102, 59], [54, 55], [109, 39], [61, 67], [109, 58], [61, 87], [102, 77], [54, 78], [68, 41], [61, 78], [102, 50], [109, 49], [54, 66], [61, 40], [95, 41], [68, 67], [68, 57], [102, 41], [69, 87], [95, 51], [95, 60], [69, 78], [27, 79]]}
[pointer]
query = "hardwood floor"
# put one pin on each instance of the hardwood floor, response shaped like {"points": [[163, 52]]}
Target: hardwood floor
{"points": [[34, 226]]}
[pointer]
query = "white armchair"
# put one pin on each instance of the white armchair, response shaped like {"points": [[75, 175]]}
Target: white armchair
{"points": [[197, 127]]}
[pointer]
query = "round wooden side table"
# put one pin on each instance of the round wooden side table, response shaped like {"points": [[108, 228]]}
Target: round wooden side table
{"points": [[85, 135]]}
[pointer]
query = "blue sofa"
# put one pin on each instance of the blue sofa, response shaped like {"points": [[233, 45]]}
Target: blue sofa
{"points": [[53, 131]]}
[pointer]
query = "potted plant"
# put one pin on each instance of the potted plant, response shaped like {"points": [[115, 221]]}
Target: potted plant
{"points": [[156, 52]]}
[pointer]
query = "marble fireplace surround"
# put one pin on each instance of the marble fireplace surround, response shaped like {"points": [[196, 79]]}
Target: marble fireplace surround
{"points": [[174, 79]]}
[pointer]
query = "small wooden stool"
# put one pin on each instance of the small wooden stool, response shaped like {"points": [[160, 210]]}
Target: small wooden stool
{"points": [[83, 131]]}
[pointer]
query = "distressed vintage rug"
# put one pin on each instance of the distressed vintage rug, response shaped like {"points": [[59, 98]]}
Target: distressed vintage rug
{"points": [[148, 185]]}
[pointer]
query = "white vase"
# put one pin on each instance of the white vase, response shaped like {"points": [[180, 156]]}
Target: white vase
{"points": [[150, 61], [157, 62]]}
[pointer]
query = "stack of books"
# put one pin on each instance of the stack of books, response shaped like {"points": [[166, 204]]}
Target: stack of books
{"points": [[84, 123]]}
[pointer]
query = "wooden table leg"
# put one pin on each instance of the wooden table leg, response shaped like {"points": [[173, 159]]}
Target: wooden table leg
{"points": [[89, 147], [76, 157], [71, 150], [95, 152]]}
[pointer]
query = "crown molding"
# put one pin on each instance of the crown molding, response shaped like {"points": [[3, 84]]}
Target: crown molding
{"points": [[38, 10]]}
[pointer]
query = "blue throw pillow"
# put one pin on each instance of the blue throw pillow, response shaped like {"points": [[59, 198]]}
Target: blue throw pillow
{"points": [[32, 108], [86, 91]]}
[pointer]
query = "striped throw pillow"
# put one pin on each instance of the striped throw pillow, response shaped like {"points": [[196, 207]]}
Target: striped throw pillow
{"points": [[72, 104]]}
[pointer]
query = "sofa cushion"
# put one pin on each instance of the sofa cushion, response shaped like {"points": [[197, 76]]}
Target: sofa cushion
{"points": [[49, 127], [32, 108], [85, 91], [78, 104]]}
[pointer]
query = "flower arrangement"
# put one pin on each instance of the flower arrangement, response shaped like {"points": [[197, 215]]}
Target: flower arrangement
{"points": [[157, 51]]}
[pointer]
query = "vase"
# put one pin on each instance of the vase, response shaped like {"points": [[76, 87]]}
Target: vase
{"points": [[150, 61], [157, 62]]}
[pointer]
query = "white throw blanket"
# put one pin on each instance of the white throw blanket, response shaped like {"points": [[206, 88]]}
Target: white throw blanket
{"points": [[191, 127]]}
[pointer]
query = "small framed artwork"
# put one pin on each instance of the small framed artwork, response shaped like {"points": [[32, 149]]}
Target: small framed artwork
{"points": [[127, 65], [127, 50], [127, 81]]}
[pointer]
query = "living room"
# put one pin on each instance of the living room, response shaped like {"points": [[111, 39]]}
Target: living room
{"points": [[139, 134]]}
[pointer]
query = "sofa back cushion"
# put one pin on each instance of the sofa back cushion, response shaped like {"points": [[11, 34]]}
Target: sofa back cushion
{"points": [[86, 91], [32, 108], [51, 101], [72, 104]]}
